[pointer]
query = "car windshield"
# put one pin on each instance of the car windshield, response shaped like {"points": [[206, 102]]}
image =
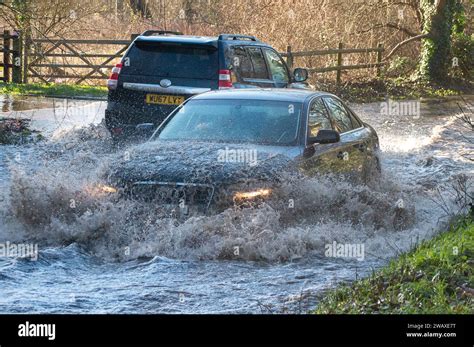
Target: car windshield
{"points": [[235, 121]]}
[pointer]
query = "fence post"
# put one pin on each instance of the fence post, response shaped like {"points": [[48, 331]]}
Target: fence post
{"points": [[379, 59], [16, 61], [289, 57], [26, 47], [339, 64], [6, 56]]}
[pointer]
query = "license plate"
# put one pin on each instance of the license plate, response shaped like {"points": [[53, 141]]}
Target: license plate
{"points": [[164, 99]]}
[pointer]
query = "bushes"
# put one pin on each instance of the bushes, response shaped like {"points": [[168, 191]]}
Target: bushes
{"points": [[437, 277]]}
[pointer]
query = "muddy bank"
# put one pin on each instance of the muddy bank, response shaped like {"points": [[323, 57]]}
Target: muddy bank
{"points": [[14, 131]]}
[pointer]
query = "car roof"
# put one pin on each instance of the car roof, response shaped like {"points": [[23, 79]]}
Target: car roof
{"points": [[275, 94], [196, 40], [204, 40]]}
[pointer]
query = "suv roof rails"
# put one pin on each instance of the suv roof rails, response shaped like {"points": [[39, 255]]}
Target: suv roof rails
{"points": [[237, 37], [160, 32]]}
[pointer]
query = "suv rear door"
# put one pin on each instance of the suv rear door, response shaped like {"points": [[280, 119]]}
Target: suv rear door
{"points": [[182, 63], [250, 67], [191, 69]]}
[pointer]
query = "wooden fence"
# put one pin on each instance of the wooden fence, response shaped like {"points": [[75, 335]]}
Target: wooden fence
{"points": [[39, 60], [338, 67], [10, 65]]}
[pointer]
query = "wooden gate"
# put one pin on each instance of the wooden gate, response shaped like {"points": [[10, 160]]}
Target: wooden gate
{"points": [[51, 60]]}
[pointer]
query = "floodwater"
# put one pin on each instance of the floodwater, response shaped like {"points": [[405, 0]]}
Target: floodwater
{"points": [[100, 256], [52, 115]]}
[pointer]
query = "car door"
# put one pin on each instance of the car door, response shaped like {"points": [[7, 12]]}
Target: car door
{"points": [[241, 65], [353, 145], [278, 69], [319, 158], [261, 75]]}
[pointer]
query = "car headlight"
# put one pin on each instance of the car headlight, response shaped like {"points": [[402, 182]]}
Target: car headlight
{"points": [[107, 189], [101, 190], [259, 193]]}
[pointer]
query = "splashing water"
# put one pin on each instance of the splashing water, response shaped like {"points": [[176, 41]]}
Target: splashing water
{"points": [[102, 255]]}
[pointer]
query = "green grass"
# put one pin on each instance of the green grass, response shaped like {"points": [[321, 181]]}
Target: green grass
{"points": [[59, 90], [437, 277]]}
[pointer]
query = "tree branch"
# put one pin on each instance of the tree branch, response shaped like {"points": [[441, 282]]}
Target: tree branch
{"points": [[388, 25], [403, 43]]}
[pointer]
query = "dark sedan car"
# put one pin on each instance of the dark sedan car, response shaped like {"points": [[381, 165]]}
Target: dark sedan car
{"points": [[232, 147]]}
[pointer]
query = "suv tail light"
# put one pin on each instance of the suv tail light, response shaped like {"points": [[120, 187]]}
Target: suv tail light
{"points": [[113, 79], [225, 79]]}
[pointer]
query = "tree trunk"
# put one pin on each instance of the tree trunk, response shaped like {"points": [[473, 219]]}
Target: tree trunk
{"points": [[189, 11], [437, 24], [140, 8]]}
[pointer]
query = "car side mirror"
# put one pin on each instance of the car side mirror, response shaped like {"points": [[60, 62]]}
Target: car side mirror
{"points": [[300, 75], [325, 136], [144, 129]]}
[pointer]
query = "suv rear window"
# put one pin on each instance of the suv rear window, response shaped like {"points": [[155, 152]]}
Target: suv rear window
{"points": [[169, 60]]}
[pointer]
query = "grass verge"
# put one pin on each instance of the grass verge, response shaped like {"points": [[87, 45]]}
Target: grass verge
{"points": [[380, 89], [437, 277], [371, 90], [57, 90]]}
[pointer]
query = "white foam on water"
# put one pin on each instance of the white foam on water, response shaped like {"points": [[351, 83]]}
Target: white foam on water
{"points": [[52, 196]]}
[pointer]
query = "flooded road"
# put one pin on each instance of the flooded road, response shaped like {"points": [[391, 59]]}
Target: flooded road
{"points": [[52, 116], [98, 256]]}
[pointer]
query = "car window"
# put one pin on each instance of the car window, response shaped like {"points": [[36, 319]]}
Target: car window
{"points": [[235, 121], [258, 62], [339, 114], [355, 122], [318, 118], [277, 67], [241, 63], [149, 59]]}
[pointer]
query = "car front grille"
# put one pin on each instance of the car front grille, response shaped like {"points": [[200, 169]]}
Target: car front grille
{"points": [[167, 193]]}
